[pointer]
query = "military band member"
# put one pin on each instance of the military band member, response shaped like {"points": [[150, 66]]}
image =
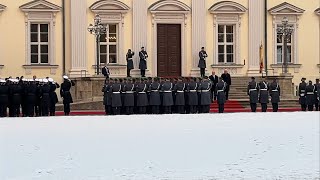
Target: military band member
{"points": [[264, 95], [310, 89], [205, 88], [142, 98], [66, 95], [275, 95], [316, 94], [106, 71], [45, 98], [192, 95], [15, 94], [129, 58], [179, 89], [202, 62], [53, 96], [4, 99], [221, 96], [143, 61], [129, 89], [252, 90], [167, 101], [155, 101], [302, 94], [116, 102]]}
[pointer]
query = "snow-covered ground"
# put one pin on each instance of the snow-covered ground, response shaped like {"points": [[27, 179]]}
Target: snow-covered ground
{"points": [[165, 147]]}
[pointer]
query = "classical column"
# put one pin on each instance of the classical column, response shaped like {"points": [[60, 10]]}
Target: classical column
{"points": [[78, 38], [198, 33], [140, 10], [256, 34]]}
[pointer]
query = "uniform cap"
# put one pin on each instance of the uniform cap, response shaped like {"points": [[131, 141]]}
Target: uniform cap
{"points": [[2, 81], [45, 80], [65, 77], [40, 80], [50, 79]]}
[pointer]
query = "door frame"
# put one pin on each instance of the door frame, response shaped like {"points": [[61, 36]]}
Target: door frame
{"points": [[165, 19]]}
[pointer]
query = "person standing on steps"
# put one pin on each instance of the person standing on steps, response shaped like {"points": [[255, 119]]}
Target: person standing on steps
{"points": [[275, 95], [221, 96], [202, 62], [252, 90], [66, 95], [227, 79], [129, 58], [214, 80], [302, 94], [106, 71], [143, 61], [310, 89], [264, 95]]}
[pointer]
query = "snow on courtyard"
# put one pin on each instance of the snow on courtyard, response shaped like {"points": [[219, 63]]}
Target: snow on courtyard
{"points": [[164, 147]]}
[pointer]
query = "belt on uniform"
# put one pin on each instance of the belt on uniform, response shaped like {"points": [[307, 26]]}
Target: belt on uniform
{"points": [[316, 91], [274, 90], [310, 93], [154, 90], [301, 95], [252, 89], [129, 92], [167, 91], [180, 91], [129, 58], [193, 90], [263, 89], [220, 91], [116, 92], [141, 92], [303, 90], [205, 90]]}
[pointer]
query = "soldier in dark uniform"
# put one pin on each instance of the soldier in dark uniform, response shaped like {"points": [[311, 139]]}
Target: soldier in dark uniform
{"points": [[15, 93], [275, 95], [142, 98], [252, 90], [129, 58], [202, 62], [143, 61], [227, 79], [205, 88], [199, 96], [116, 102], [24, 84], [179, 89], [221, 96], [105, 90], [45, 98], [155, 101], [302, 94], [316, 94], [264, 95], [66, 95], [4, 99], [310, 89], [129, 97], [38, 97], [192, 95], [53, 96], [214, 80], [31, 97], [167, 96]]}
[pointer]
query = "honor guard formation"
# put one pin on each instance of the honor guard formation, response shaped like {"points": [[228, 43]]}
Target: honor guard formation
{"points": [[33, 97]]}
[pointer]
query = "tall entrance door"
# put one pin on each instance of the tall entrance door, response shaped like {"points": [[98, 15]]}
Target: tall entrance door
{"points": [[169, 50]]}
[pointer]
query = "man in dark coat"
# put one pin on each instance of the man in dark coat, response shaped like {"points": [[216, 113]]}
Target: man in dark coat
{"points": [[129, 58], [275, 95], [302, 94], [192, 89], [38, 97], [202, 62], [31, 97], [155, 101], [227, 79], [53, 96], [167, 101], [4, 99], [66, 95], [129, 89], [106, 71], [252, 90], [15, 93], [105, 90], [24, 83], [214, 80], [264, 95], [316, 94], [143, 61], [116, 102], [179, 89], [310, 89], [45, 97], [142, 98], [205, 88], [221, 95]]}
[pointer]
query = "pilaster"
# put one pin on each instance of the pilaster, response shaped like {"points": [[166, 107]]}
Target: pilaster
{"points": [[256, 34], [78, 38]]}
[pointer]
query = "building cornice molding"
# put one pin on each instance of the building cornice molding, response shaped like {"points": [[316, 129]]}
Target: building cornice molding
{"points": [[2, 8], [172, 6], [105, 6], [227, 7], [40, 6], [286, 9]]}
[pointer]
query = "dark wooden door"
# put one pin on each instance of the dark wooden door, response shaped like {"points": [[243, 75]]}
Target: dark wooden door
{"points": [[169, 50]]}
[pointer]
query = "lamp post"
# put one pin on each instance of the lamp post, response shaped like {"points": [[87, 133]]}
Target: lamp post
{"points": [[97, 29], [286, 31]]}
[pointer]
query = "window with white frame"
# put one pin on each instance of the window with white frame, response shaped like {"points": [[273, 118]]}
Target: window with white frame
{"points": [[39, 43], [109, 45], [226, 44], [280, 49]]}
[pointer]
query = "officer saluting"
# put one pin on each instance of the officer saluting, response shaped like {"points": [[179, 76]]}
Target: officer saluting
{"points": [[302, 94], [264, 95], [143, 61], [202, 62], [129, 57], [66, 95], [275, 95], [252, 90]]}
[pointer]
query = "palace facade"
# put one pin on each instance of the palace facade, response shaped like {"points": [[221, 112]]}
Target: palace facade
{"points": [[50, 38]]}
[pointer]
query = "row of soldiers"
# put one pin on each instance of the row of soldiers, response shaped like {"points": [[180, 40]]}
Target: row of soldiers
{"points": [[33, 97], [309, 95], [161, 96]]}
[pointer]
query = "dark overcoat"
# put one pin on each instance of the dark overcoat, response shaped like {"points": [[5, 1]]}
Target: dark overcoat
{"points": [[65, 91], [179, 89], [128, 95], [202, 59], [220, 91], [154, 89], [142, 98], [205, 88], [167, 94], [275, 92], [302, 93], [143, 60], [252, 90], [264, 92], [192, 93]]}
